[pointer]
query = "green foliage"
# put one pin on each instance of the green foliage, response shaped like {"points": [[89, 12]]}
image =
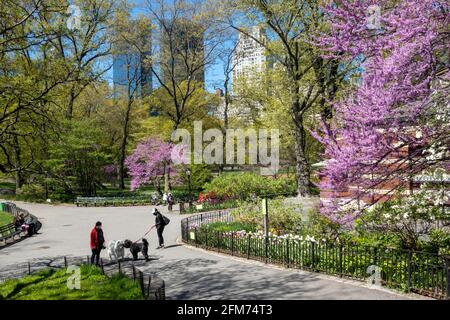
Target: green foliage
{"points": [[409, 218], [77, 158], [227, 204], [320, 226], [31, 192], [244, 186], [283, 218], [200, 175], [439, 242], [5, 218], [52, 285], [229, 226]]}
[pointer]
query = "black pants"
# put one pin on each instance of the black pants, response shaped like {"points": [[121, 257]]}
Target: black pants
{"points": [[95, 256], [159, 231], [31, 229]]}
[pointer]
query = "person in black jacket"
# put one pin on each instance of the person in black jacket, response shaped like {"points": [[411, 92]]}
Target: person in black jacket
{"points": [[159, 224]]}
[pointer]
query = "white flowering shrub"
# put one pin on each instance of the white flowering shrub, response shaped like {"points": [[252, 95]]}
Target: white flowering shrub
{"points": [[412, 217]]}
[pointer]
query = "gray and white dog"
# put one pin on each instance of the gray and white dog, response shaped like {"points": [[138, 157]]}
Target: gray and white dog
{"points": [[116, 250]]}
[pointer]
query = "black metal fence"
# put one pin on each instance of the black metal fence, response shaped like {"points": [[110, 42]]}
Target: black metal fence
{"points": [[14, 210], [204, 218], [410, 271], [152, 288]]}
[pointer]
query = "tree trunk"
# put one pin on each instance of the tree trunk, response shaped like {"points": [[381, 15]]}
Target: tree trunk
{"points": [[302, 166], [69, 110], [157, 184], [303, 173], [18, 163], [122, 164], [166, 181]]}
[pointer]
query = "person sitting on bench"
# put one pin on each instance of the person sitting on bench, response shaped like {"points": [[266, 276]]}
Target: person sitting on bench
{"points": [[20, 223]]}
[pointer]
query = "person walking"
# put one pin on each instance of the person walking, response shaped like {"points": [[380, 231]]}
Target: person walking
{"points": [[97, 242], [170, 201], [160, 223]]}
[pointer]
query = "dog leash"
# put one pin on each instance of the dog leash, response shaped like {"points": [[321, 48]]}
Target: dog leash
{"points": [[144, 234]]}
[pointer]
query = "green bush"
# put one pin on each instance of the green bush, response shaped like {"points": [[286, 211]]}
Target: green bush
{"points": [[211, 207], [229, 226], [244, 186], [200, 175], [283, 218], [319, 226], [31, 192], [408, 221], [439, 242]]}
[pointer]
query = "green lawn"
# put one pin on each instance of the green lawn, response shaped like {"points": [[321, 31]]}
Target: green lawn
{"points": [[51, 284], [5, 218]]}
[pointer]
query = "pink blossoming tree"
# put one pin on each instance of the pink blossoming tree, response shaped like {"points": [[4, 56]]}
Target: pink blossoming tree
{"points": [[152, 160], [400, 103]]}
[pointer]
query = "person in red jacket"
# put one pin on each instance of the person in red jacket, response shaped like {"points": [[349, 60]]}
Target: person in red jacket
{"points": [[97, 242]]}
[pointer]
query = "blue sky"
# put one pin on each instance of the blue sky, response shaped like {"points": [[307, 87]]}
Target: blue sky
{"points": [[213, 74]]}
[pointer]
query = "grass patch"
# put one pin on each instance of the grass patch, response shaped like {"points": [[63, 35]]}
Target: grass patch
{"points": [[50, 284], [5, 218]]}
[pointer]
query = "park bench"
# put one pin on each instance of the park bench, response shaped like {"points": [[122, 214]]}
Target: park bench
{"points": [[8, 231]]}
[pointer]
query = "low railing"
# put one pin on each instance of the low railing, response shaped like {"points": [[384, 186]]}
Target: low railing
{"points": [[410, 271], [204, 218]]}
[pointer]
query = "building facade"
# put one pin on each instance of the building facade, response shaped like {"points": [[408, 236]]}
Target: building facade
{"points": [[132, 69], [182, 51], [250, 56]]}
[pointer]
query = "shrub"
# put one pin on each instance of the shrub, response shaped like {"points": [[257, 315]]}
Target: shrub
{"points": [[411, 218], [244, 186], [283, 218], [229, 226], [210, 198], [31, 192], [200, 175], [439, 242], [210, 207], [320, 226]]}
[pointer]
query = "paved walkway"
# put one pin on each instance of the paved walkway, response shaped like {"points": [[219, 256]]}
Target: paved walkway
{"points": [[189, 273]]}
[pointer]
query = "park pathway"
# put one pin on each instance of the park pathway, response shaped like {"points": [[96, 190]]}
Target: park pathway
{"points": [[189, 273]]}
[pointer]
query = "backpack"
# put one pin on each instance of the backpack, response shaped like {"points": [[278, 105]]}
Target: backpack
{"points": [[166, 220]]}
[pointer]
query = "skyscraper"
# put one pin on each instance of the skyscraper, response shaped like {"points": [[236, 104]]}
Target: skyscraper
{"points": [[132, 67], [250, 55], [182, 51]]}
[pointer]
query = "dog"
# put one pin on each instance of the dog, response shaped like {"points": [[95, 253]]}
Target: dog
{"points": [[135, 248], [116, 250]]}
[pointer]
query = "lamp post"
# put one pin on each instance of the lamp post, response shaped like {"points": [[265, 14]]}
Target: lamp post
{"points": [[188, 173]]}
